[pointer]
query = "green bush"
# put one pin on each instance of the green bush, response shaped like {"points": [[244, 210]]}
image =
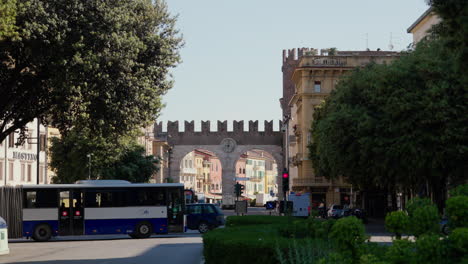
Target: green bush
{"points": [[259, 244], [425, 220], [298, 229], [349, 235], [253, 202], [401, 252], [235, 245], [304, 252], [415, 203], [232, 221], [458, 244], [460, 190], [430, 249], [397, 222], [457, 211]]}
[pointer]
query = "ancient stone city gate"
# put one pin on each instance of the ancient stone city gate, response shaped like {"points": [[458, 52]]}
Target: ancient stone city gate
{"points": [[228, 146]]}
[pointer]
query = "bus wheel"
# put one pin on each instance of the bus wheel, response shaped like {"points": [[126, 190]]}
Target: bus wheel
{"points": [[143, 230], [42, 233]]}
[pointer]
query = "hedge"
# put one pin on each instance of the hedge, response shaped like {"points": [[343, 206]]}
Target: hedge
{"points": [[233, 221]]}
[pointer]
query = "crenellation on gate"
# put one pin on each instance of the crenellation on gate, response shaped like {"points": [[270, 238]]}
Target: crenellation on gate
{"points": [[222, 126], [172, 127], [205, 127], [238, 126], [190, 126], [253, 126], [176, 135]]}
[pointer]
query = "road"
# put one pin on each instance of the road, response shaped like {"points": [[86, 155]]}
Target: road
{"points": [[187, 250]]}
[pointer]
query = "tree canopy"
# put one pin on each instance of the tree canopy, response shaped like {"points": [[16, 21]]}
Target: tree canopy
{"points": [[7, 18], [402, 124], [119, 159], [99, 65]]}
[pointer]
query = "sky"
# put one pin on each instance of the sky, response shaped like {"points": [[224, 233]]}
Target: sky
{"points": [[231, 61]]}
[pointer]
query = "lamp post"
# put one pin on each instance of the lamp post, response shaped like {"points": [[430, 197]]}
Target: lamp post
{"points": [[89, 165]]}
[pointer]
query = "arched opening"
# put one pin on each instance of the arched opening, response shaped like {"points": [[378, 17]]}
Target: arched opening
{"points": [[257, 170], [201, 172]]}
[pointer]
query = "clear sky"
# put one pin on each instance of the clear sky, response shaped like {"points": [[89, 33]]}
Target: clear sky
{"points": [[232, 58]]}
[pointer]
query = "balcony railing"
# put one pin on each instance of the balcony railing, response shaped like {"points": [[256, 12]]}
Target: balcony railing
{"points": [[256, 179]]}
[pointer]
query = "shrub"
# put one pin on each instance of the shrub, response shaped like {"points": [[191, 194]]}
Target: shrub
{"points": [[232, 221], [458, 243], [415, 203], [349, 235], [430, 249], [425, 220], [457, 211], [397, 222], [234, 245], [370, 259], [460, 190], [401, 252], [304, 252], [298, 229]]}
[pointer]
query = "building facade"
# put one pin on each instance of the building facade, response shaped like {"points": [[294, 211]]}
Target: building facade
{"points": [[24, 163], [313, 78], [420, 28]]}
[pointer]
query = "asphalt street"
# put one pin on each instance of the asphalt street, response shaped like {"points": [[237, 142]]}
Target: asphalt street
{"points": [[187, 250]]}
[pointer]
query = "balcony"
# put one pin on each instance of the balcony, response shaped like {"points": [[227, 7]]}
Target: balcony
{"points": [[311, 181], [256, 179]]}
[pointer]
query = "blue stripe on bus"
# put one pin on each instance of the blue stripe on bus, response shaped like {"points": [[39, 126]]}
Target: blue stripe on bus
{"points": [[122, 226], [28, 227]]}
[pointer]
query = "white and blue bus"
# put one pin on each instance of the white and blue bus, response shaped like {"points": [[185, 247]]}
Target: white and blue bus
{"points": [[102, 207]]}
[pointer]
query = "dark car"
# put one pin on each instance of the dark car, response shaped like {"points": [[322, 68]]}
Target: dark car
{"points": [[204, 217]]}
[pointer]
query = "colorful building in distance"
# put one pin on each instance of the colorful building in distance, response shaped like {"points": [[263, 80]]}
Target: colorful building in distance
{"points": [[420, 28]]}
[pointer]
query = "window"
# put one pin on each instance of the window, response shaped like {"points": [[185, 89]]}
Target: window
{"points": [[11, 140], [40, 199], [194, 209], [243, 170], [317, 86], [23, 172], [29, 172], [10, 167], [208, 209]]}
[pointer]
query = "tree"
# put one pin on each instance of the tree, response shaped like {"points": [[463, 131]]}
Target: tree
{"points": [[119, 159], [99, 65], [133, 166], [394, 125], [7, 18]]}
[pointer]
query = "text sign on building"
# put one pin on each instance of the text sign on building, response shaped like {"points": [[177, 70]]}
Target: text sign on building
{"points": [[24, 156], [329, 62]]}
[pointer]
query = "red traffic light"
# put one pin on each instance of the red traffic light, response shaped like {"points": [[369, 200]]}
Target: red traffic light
{"points": [[285, 175]]}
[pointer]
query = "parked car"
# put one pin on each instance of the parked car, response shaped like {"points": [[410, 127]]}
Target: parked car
{"points": [[444, 226], [335, 211], [204, 217]]}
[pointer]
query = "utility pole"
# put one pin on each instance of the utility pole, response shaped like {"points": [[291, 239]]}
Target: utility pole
{"points": [[89, 165]]}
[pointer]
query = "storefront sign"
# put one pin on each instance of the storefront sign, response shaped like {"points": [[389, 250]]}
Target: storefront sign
{"points": [[24, 156]]}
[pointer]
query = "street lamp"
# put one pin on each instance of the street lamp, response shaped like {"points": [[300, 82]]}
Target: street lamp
{"points": [[89, 165]]}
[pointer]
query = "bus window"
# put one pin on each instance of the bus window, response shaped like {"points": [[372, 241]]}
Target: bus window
{"points": [[30, 201], [41, 199]]}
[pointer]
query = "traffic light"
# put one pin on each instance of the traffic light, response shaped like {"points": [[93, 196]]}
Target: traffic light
{"points": [[285, 180], [238, 189]]}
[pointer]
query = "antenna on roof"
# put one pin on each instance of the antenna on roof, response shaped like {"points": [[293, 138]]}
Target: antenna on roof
{"points": [[390, 45], [367, 41]]}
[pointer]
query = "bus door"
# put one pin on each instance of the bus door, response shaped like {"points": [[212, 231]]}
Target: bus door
{"points": [[175, 209], [71, 213]]}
